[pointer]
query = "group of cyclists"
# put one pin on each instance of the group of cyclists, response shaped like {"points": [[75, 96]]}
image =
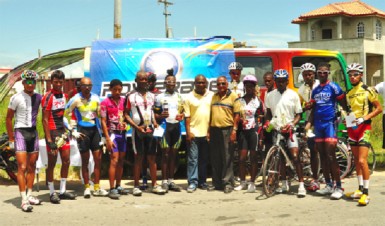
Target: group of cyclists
{"points": [[217, 124]]}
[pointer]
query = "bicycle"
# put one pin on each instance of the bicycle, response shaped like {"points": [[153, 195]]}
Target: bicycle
{"points": [[272, 164], [7, 158]]}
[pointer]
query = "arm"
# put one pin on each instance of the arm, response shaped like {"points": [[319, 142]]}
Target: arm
{"points": [[233, 136], [109, 142], [189, 135], [8, 122]]}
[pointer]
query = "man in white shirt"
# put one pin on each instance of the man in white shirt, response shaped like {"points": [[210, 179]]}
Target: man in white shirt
{"points": [[380, 87]]}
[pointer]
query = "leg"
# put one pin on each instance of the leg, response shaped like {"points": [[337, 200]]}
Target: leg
{"points": [[21, 158], [137, 168], [314, 161], [85, 156], [112, 171], [297, 163], [151, 159], [165, 161], [192, 162], [119, 167], [203, 158], [31, 168], [242, 164], [216, 144], [254, 165]]}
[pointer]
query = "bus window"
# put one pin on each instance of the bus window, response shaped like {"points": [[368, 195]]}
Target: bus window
{"points": [[257, 66]]}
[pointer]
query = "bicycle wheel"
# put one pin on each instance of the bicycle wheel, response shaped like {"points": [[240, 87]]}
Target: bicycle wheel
{"points": [[371, 152], [305, 158], [10, 164], [270, 175], [343, 159]]}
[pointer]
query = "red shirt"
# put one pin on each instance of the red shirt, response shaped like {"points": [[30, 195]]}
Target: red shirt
{"points": [[54, 102]]}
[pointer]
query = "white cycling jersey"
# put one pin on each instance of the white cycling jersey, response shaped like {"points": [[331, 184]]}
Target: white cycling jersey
{"points": [[26, 108]]}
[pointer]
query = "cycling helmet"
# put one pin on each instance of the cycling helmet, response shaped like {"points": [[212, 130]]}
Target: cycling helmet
{"points": [[355, 67], [29, 74], [235, 66], [281, 73], [250, 78], [308, 67]]}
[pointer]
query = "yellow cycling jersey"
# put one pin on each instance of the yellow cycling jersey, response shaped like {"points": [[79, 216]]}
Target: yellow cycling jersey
{"points": [[360, 99]]}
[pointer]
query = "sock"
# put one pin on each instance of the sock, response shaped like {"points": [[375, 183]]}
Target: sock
{"points": [[170, 180], [29, 192], [284, 183], [329, 181], [51, 188], [366, 184], [360, 180], [361, 187], [366, 191], [96, 187], [86, 185], [63, 183], [339, 184], [301, 185], [164, 182], [23, 196]]}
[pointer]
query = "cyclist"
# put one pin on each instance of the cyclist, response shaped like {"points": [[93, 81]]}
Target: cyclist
{"points": [[235, 70], [266, 138], [283, 110], [53, 105], [24, 107], [139, 114], [324, 102], [380, 87], [114, 130], [250, 107], [168, 108], [86, 107], [197, 114], [308, 74], [222, 136], [361, 99]]}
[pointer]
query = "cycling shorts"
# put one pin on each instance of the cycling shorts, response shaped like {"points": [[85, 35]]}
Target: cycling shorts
{"points": [[91, 140], [325, 131], [172, 136], [360, 136], [290, 143], [143, 144], [58, 133], [248, 140], [26, 140], [119, 141]]}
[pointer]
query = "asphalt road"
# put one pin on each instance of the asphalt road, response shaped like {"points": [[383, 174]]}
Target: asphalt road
{"points": [[198, 208]]}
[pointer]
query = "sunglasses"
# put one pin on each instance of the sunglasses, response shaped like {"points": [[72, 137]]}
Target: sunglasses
{"points": [[323, 72], [30, 82], [355, 74], [234, 73], [221, 83]]}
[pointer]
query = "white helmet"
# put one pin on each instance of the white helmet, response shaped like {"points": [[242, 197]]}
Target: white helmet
{"points": [[355, 67], [235, 66], [281, 73], [308, 67]]}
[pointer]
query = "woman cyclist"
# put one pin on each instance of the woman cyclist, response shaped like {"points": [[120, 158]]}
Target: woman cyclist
{"points": [[250, 107]]}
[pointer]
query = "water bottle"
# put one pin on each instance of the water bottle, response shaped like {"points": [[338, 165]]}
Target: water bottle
{"points": [[165, 105]]}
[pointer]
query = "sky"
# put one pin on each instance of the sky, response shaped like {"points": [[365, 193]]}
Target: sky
{"points": [[27, 26]]}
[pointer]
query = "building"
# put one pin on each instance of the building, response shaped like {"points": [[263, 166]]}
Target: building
{"points": [[353, 28]]}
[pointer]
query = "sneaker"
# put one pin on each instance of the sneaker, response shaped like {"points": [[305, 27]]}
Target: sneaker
{"points": [[87, 193], [364, 200], [314, 186], [354, 195], [67, 196], [121, 190], [327, 190], [34, 201], [165, 187], [174, 187], [337, 194], [203, 186], [136, 191], [242, 186], [158, 190], [191, 188], [251, 188], [114, 194], [283, 189], [100, 193], [54, 198], [228, 189], [26, 206], [301, 192]]}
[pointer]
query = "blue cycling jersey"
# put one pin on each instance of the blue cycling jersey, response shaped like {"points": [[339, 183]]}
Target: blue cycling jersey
{"points": [[325, 97]]}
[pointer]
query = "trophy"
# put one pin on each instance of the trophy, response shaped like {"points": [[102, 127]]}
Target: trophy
{"points": [[60, 141]]}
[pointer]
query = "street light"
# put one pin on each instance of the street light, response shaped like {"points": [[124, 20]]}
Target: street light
{"points": [[166, 14]]}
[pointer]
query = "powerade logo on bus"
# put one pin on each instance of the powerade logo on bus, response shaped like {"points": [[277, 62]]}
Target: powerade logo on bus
{"points": [[122, 58]]}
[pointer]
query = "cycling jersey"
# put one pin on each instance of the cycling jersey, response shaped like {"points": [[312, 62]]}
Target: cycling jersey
{"points": [[54, 102], [86, 110], [360, 99], [325, 97], [26, 108], [175, 105], [113, 112], [140, 107], [237, 88], [249, 111]]}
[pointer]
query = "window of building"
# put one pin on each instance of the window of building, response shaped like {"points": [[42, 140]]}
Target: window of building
{"points": [[312, 34], [327, 34], [360, 30], [378, 30]]}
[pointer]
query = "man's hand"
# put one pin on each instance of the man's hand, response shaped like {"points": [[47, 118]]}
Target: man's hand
{"points": [[359, 121], [78, 135], [110, 145], [164, 114], [11, 145], [286, 128], [189, 138], [53, 148], [233, 136], [179, 117]]}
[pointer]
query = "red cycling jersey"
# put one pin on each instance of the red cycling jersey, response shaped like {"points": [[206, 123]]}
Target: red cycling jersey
{"points": [[54, 102]]}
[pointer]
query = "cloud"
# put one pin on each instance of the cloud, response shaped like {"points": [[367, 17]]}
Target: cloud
{"points": [[270, 40]]}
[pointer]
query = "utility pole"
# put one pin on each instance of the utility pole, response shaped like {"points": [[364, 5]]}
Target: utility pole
{"points": [[166, 14], [117, 19]]}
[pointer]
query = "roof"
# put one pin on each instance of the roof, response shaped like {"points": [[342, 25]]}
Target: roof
{"points": [[352, 8]]}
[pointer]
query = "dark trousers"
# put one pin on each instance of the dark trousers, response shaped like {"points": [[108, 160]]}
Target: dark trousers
{"points": [[221, 156]]}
